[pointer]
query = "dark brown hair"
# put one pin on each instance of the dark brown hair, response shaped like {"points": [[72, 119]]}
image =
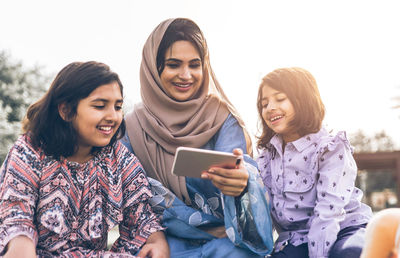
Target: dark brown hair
{"points": [[301, 89], [74, 82]]}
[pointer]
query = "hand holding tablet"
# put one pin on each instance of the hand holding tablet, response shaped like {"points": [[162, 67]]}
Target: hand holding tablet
{"points": [[192, 162]]}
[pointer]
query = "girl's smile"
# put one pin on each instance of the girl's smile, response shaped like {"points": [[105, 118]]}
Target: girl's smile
{"points": [[97, 118], [278, 112]]}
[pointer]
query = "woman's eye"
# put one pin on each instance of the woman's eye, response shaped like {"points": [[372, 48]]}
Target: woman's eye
{"points": [[118, 107], [172, 65], [98, 107]]}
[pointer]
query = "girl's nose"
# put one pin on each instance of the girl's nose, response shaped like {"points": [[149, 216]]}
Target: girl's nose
{"points": [[271, 107], [112, 115]]}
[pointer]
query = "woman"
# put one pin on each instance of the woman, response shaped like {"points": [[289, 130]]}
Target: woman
{"points": [[183, 105]]}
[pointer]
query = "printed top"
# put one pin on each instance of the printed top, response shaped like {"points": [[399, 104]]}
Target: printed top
{"points": [[67, 208], [311, 186]]}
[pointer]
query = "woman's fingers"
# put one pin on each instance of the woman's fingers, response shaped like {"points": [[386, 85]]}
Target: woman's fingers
{"points": [[230, 181]]}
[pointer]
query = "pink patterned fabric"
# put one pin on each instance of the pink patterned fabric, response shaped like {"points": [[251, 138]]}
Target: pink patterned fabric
{"points": [[67, 208]]}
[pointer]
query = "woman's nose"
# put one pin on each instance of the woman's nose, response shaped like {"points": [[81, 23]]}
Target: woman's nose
{"points": [[185, 73]]}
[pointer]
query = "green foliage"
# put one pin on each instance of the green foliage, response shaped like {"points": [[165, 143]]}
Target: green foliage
{"points": [[19, 87]]}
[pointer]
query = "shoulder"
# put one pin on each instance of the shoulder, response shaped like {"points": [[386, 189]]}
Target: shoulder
{"points": [[23, 157], [23, 147], [328, 142], [119, 152], [125, 160], [229, 136]]}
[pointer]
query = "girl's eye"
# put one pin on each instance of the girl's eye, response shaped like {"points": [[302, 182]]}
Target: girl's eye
{"points": [[99, 106], [264, 105], [195, 65], [118, 108]]}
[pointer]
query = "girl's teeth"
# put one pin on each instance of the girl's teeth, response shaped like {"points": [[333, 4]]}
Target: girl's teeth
{"points": [[105, 128], [275, 118]]}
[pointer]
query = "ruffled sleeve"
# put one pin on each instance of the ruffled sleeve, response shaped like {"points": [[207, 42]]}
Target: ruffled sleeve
{"points": [[20, 174], [337, 172]]}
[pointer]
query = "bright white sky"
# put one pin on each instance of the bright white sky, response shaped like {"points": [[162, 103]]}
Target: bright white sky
{"points": [[351, 47]]}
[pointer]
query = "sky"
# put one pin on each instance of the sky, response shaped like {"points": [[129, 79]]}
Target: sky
{"points": [[351, 47]]}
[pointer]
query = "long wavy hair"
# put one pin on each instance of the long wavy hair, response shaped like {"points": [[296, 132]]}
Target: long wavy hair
{"points": [[73, 83]]}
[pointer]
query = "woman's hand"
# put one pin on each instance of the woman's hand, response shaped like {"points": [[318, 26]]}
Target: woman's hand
{"points": [[156, 246], [231, 181], [21, 246]]}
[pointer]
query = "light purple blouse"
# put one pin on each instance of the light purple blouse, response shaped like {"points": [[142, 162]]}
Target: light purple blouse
{"points": [[311, 186]]}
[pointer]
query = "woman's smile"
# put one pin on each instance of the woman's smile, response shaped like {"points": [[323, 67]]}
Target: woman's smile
{"points": [[182, 76]]}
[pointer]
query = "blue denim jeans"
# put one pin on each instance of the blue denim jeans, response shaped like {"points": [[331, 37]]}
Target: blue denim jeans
{"points": [[349, 244]]}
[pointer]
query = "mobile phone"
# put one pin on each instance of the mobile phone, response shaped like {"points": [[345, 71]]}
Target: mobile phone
{"points": [[192, 162]]}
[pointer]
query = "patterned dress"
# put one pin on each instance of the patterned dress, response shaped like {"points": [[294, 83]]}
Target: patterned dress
{"points": [[67, 208]]}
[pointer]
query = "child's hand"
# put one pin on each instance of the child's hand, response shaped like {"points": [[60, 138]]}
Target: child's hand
{"points": [[156, 246], [231, 181], [20, 246]]}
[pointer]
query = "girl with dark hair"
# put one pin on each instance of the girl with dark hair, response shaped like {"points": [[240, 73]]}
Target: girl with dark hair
{"points": [[309, 173], [67, 181], [224, 213]]}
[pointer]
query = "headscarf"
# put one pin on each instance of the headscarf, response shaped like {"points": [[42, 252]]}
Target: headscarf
{"points": [[160, 124]]}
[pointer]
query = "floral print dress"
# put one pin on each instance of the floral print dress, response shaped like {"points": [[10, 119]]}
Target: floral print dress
{"points": [[67, 208]]}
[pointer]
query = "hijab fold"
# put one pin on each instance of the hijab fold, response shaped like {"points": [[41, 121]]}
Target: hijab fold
{"points": [[160, 124]]}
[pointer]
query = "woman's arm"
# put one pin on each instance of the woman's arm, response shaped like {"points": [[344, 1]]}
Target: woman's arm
{"points": [[230, 138]]}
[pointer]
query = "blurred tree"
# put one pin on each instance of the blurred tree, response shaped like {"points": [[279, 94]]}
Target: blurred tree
{"points": [[19, 87], [380, 141]]}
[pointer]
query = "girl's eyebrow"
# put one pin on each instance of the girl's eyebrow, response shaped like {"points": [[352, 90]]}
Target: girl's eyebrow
{"points": [[273, 94], [106, 100]]}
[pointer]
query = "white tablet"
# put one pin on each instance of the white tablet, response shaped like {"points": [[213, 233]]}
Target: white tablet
{"points": [[192, 162]]}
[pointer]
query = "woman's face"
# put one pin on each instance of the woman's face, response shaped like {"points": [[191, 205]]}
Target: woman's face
{"points": [[182, 76], [98, 116]]}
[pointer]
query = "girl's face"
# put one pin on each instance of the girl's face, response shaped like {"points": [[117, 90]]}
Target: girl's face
{"points": [[98, 116], [182, 76], [277, 112]]}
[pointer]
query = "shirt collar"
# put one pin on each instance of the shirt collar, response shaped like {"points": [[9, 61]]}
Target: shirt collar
{"points": [[300, 144], [307, 140]]}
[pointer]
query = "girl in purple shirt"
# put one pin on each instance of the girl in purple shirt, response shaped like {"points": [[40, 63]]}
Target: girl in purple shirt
{"points": [[309, 174]]}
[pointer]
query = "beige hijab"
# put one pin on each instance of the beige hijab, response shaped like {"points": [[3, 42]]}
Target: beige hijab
{"points": [[159, 124]]}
